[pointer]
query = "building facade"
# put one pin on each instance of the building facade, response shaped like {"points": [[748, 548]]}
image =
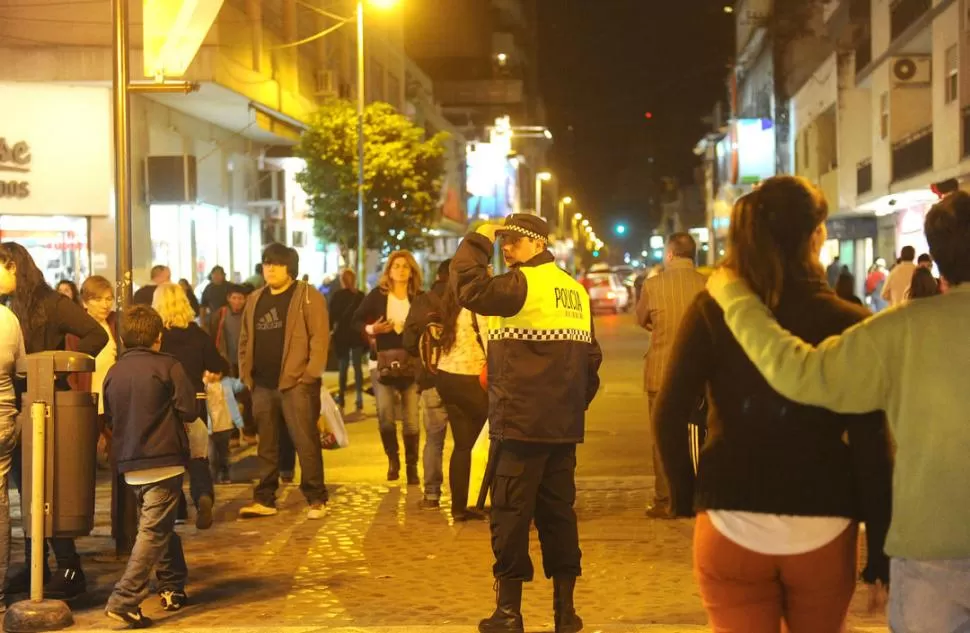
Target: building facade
{"points": [[207, 185]]}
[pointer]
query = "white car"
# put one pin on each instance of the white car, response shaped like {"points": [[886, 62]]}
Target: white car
{"points": [[607, 292]]}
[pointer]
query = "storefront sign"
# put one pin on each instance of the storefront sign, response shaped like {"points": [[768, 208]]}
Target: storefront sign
{"points": [[14, 163], [55, 150]]}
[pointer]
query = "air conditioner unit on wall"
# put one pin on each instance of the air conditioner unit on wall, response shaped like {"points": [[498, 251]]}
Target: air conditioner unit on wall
{"points": [[911, 70], [324, 83]]}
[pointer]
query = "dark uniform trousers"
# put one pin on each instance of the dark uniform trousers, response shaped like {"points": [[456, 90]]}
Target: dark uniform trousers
{"points": [[535, 480]]}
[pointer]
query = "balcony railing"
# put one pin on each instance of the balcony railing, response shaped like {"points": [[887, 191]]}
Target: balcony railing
{"points": [[905, 13], [913, 155], [863, 177], [966, 132]]}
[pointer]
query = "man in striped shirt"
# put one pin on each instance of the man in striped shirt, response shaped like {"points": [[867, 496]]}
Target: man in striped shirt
{"points": [[661, 308]]}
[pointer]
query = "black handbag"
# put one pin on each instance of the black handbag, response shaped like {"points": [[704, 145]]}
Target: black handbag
{"points": [[395, 367]]}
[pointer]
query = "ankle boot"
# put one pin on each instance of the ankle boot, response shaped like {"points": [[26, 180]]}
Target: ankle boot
{"points": [[389, 440], [508, 609], [411, 446], [562, 601]]}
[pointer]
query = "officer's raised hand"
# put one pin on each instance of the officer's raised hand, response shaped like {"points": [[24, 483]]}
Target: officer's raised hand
{"points": [[488, 230]]}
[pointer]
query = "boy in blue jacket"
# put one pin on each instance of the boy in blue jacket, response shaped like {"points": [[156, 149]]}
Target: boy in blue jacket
{"points": [[149, 398]]}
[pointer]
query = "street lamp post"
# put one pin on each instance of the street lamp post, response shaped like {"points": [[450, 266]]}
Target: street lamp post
{"points": [[542, 176], [361, 241], [563, 203]]}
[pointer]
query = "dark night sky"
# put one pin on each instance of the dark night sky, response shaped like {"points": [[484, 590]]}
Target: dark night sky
{"points": [[603, 65]]}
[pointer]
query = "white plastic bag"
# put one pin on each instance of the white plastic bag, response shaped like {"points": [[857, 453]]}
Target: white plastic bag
{"points": [[333, 433], [198, 433]]}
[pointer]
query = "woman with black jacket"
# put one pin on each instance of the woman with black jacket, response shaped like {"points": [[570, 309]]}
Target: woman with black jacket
{"points": [[779, 486], [186, 341], [382, 315], [348, 343], [47, 318]]}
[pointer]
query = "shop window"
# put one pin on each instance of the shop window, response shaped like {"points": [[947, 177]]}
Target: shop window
{"points": [[58, 244], [952, 84]]}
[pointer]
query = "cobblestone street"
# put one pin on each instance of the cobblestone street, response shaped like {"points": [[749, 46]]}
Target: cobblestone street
{"points": [[377, 562]]}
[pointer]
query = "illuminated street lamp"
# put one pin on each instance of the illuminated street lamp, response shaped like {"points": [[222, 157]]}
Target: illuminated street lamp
{"points": [[563, 203], [361, 242], [541, 177]]}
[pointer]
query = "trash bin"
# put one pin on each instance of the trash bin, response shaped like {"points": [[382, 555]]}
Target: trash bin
{"points": [[72, 443]]}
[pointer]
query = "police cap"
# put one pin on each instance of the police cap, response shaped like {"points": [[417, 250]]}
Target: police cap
{"points": [[526, 224]]}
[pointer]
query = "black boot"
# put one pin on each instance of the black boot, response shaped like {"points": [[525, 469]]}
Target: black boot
{"points": [[411, 445], [508, 609], [389, 440], [562, 601]]}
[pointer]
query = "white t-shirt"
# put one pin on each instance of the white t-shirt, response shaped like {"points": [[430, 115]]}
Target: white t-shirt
{"points": [[152, 475], [898, 283], [397, 312], [775, 534], [102, 363]]}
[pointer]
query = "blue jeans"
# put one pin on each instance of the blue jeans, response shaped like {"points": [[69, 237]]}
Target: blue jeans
{"points": [[387, 407], [929, 596], [435, 428], [353, 355], [156, 546]]}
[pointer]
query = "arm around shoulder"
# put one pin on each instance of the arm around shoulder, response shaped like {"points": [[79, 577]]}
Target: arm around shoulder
{"points": [[827, 376]]}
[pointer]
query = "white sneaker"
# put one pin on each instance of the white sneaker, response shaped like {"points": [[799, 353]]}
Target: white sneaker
{"points": [[317, 511], [254, 510]]}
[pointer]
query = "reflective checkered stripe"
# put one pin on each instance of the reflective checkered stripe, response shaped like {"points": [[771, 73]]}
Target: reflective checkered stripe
{"points": [[519, 334], [556, 308]]}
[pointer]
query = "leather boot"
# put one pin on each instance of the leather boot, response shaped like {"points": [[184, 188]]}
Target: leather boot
{"points": [[411, 445], [389, 440], [508, 609], [562, 601]]}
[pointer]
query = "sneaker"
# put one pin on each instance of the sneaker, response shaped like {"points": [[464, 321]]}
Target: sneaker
{"points": [[317, 511], [173, 600], [134, 619], [203, 516], [255, 510], [67, 584], [429, 504]]}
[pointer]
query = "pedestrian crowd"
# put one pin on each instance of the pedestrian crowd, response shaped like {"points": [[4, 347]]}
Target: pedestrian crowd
{"points": [[180, 379], [787, 419]]}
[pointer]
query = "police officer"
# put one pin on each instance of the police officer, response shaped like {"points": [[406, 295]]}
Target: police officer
{"points": [[543, 361]]}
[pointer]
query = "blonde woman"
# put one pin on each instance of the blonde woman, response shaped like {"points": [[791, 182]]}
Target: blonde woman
{"points": [[187, 342], [381, 316]]}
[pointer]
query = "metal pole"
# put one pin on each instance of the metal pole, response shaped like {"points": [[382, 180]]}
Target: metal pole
{"points": [[562, 219], [538, 195], [122, 147], [361, 241], [38, 418]]}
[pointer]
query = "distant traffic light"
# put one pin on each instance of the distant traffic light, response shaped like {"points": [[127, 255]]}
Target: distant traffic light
{"points": [[620, 229], [648, 115], [596, 253]]}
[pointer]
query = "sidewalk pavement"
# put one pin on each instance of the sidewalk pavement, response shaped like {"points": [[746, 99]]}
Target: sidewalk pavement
{"points": [[378, 563]]}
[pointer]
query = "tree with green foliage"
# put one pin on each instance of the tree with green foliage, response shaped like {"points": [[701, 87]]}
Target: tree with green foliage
{"points": [[403, 173]]}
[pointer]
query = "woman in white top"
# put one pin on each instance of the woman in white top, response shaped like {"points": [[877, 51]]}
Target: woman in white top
{"points": [[463, 349], [381, 316], [97, 297]]}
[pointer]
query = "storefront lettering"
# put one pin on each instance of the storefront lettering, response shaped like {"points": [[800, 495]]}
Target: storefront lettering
{"points": [[14, 158]]}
